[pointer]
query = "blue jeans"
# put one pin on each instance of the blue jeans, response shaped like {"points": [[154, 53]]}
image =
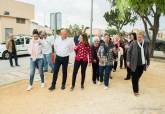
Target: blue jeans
{"points": [[107, 70], [33, 65], [47, 60]]}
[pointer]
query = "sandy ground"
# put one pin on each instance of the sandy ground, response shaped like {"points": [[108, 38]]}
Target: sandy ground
{"points": [[119, 99]]}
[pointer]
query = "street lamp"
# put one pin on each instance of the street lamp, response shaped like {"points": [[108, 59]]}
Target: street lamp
{"points": [[55, 21], [91, 22]]}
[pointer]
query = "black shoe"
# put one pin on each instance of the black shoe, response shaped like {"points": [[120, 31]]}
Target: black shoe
{"points": [[126, 78], [45, 70], [111, 77], [82, 86], [17, 65], [72, 88], [94, 82], [51, 71], [12, 66], [63, 87], [52, 88]]}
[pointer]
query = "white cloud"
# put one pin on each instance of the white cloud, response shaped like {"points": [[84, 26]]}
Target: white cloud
{"points": [[73, 11], [77, 12]]}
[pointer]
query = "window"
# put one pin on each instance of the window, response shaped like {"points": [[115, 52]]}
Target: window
{"points": [[6, 13], [20, 20], [7, 32], [19, 41], [27, 40]]}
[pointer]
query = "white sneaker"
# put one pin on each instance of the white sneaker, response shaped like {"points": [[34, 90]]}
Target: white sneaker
{"points": [[105, 87], [29, 88], [42, 85]]}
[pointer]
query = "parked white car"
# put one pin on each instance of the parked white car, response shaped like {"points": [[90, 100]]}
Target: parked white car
{"points": [[22, 43]]}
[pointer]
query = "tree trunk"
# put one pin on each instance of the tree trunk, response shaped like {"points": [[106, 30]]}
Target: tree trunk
{"points": [[118, 29], [155, 30], [146, 29], [152, 43]]}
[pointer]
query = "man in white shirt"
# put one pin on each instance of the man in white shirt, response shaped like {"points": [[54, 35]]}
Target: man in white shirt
{"points": [[63, 47], [47, 51]]}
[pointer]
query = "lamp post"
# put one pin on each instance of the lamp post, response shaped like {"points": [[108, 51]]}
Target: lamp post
{"points": [[55, 22], [91, 22]]}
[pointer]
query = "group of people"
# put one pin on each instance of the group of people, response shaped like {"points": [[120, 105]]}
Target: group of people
{"points": [[102, 54]]}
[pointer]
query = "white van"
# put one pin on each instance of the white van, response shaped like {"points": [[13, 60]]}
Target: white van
{"points": [[22, 43]]}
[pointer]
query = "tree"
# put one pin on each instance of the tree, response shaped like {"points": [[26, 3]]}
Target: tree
{"points": [[73, 29], [113, 19], [149, 11], [111, 31]]}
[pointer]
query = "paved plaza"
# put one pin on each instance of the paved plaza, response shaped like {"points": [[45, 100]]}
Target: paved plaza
{"points": [[118, 99]]}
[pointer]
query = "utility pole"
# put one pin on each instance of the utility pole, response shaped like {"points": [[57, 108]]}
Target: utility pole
{"points": [[91, 22]]}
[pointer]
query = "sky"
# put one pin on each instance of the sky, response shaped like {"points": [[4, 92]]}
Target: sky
{"points": [[77, 12]]}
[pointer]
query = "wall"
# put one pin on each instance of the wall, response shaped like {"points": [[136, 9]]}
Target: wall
{"points": [[8, 22], [17, 9]]}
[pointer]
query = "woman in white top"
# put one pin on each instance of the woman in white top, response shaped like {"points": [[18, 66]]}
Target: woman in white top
{"points": [[121, 57], [47, 45], [36, 59]]}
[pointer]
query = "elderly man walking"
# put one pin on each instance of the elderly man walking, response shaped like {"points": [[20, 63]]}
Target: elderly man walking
{"points": [[11, 47], [138, 60], [63, 47]]}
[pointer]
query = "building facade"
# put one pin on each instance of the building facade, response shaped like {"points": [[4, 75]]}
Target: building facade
{"points": [[35, 25], [15, 17]]}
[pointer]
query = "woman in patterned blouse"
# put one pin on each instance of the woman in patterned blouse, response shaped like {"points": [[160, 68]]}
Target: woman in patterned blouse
{"points": [[83, 56], [105, 60]]}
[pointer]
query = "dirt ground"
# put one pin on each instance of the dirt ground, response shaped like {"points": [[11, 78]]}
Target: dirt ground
{"points": [[118, 99]]}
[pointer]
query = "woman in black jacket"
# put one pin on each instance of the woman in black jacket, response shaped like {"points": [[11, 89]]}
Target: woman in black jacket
{"points": [[95, 60]]}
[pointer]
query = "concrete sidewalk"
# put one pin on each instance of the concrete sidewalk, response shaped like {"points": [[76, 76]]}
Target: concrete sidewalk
{"points": [[13, 74], [119, 99]]}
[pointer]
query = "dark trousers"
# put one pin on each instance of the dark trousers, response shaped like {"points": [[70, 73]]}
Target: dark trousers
{"points": [[125, 61], [121, 61], [77, 65], [107, 70], [115, 65], [135, 78], [129, 73], [95, 69], [58, 62], [11, 56]]}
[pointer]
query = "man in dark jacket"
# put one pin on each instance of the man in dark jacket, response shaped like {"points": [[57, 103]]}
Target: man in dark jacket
{"points": [[10, 46], [76, 38], [138, 60]]}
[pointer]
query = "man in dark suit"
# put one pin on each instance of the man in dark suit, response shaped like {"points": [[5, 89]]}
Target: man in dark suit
{"points": [[138, 60]]}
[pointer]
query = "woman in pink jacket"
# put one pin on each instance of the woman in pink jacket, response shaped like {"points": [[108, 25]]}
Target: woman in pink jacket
{"points": [[36, 59]]}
